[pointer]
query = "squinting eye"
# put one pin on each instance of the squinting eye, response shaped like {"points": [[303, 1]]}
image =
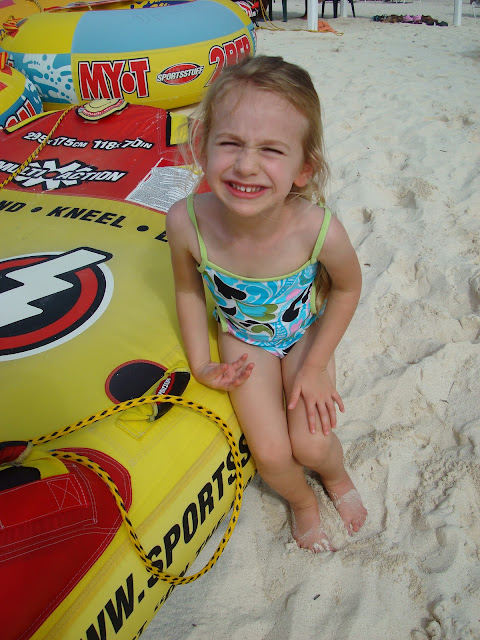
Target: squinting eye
{"points": [[273, 151]]}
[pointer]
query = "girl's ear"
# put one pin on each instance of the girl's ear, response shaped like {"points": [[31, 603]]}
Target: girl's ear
{"points": [[304, 176]]}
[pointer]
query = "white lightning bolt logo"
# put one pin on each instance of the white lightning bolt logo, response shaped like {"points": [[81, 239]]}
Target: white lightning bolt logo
{"points": [[41, 280]]}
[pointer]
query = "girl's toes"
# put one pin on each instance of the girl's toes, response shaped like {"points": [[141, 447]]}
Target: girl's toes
{"points": [[357, 526]]}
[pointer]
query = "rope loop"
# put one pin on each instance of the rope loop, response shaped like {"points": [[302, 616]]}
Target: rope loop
{"points": [[103, 475]]}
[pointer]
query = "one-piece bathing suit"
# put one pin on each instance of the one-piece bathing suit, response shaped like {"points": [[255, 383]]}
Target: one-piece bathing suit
{"points": [[273, 313]]}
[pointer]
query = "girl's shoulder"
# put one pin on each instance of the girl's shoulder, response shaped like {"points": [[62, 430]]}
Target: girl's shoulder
{"points": [[185, 225], [313, 216], [336, 242], [179, 216], [317, 220], [177, 211], [180, 230]]}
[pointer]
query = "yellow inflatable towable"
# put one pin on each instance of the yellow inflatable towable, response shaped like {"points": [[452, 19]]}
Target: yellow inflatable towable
{"points": [[164, 56], [88, 323]]}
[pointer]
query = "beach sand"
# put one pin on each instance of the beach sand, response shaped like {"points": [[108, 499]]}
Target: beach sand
{"points": [[402, 128]]}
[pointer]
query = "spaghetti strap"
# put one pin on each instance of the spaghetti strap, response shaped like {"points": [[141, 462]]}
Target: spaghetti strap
{"points": [[201, 243], [321, 235]]}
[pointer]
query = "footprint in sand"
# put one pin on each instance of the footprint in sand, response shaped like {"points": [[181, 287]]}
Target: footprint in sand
{"points": [[413, 190], [446, 623], [443, 623], [441, 559]]}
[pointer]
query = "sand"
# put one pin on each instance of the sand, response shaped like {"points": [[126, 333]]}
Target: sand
{"points": [[402, 127]]}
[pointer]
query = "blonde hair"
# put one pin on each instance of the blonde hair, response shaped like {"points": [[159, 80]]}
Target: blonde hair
{"points": [[294, 84]]}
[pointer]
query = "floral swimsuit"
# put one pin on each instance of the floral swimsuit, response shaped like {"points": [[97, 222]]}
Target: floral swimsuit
{"points": [[273, 313]]}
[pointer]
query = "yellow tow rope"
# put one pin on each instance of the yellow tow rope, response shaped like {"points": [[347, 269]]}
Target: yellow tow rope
{"points": [[35, 153], [101, 473]]}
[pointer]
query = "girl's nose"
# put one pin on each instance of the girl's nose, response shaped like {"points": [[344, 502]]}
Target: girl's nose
{"points": [[246, 161]]}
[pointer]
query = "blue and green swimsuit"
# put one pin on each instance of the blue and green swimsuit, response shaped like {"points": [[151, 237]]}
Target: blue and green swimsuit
{"points": [[273, 313]]}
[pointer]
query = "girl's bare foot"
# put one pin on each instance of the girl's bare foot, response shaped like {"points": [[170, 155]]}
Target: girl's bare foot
{"points": [[307, 529], [349, 505]]}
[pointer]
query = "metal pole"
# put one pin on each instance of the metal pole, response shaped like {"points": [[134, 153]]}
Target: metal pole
{"points": [[312, 15], [457, 13]]}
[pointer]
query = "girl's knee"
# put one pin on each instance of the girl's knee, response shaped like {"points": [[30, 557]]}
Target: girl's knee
{"points": [[311, 449], [272, 457]]}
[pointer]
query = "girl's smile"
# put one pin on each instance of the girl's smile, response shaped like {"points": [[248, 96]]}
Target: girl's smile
{"points": [[245, 191]]}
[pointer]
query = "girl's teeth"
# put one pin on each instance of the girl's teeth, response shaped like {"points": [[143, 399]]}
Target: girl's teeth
{"points": [[247, 189]]}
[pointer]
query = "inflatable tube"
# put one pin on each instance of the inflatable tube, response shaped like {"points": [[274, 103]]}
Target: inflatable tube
{"points": [[164, 56], [87, 320], [19, 98], [13, 11]]}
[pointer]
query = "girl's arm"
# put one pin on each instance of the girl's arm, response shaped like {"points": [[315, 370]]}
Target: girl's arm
{"points": [[192, 309], [313, 382]]}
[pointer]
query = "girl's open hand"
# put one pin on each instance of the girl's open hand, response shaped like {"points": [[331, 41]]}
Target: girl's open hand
{"points": [[319, 396], [225, 376]]}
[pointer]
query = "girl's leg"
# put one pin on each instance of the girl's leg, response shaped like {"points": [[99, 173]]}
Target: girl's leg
{"points": [[323, 454], [260, 410]]}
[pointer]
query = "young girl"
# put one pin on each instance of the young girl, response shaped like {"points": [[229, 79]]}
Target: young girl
{"points": [[259, 142]]}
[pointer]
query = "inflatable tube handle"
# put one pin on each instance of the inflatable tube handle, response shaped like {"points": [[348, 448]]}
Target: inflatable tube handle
{"points": [[101, 473]]}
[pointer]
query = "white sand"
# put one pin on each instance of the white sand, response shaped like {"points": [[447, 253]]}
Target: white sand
{"points": [[402, 125]]}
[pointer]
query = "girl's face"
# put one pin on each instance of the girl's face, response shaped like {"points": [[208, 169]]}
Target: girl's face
{"points": [[254, 153]]}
